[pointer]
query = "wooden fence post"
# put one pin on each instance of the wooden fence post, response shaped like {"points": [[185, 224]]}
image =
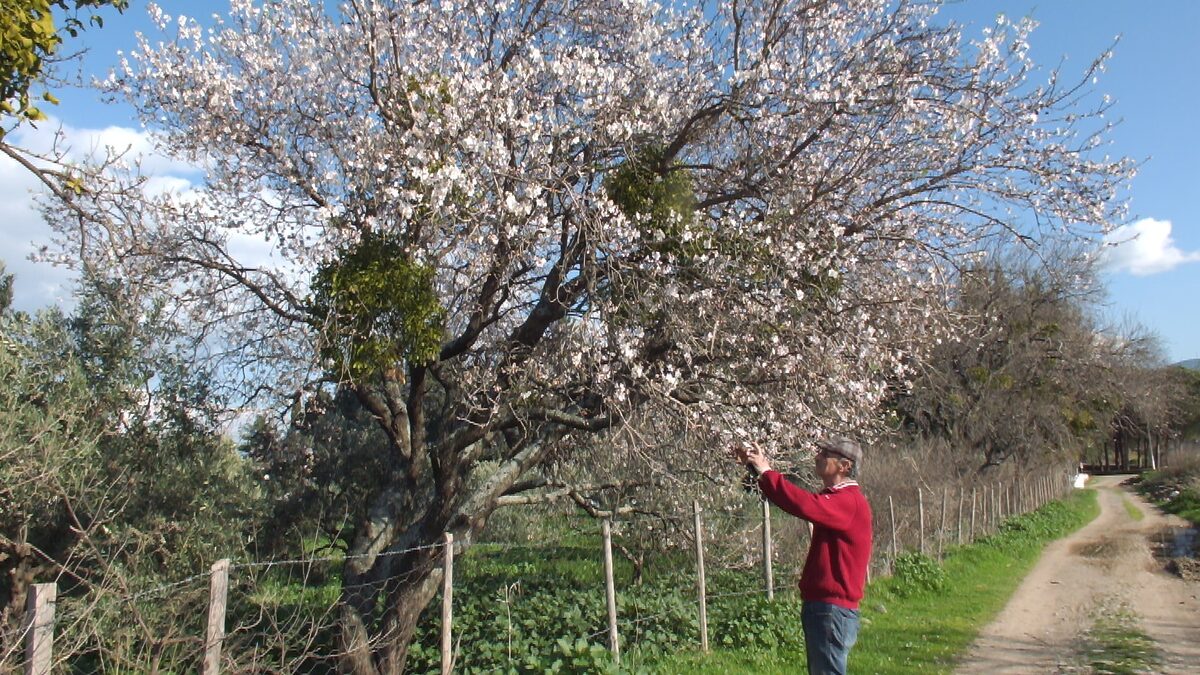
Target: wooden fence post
{"points": [[1000, 515], [921, 517], [1002, 494], [218, 590], [610, 592], [985, 510], [972, 533], [942, 528], [39, 628], [994, 506], [892, 512], [962, 491], [700, 578], [448, 605], [996, 515], [768, 571]]}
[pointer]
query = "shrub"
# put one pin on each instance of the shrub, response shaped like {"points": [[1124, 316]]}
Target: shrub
{"points": [[917, 573]]}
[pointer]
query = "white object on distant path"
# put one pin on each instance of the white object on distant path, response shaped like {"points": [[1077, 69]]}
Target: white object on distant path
{"points": [[1081, 480]]}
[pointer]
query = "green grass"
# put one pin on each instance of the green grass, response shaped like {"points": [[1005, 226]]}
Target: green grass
{"points": [[1117, 645], [1185, 479], [925, 631], [1185, 505], [1134, 512]]}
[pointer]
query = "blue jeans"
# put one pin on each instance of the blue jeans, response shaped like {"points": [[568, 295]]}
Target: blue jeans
{"points": [[829, 633]]}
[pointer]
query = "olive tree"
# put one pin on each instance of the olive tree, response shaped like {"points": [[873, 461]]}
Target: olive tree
{"points": [[1029, 374], [505, 226]]}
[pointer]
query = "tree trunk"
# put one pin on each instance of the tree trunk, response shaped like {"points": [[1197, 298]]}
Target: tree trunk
{"points": [[406, 581], [396, 554]]}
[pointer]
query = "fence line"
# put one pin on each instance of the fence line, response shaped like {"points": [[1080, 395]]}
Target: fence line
{"points": [[1000, 501]]}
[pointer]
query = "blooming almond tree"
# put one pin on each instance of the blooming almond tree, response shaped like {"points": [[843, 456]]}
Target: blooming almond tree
{"points": [[506, 225]]}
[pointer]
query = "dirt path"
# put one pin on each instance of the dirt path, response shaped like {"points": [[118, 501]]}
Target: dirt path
{"points": [[1106, 565]]}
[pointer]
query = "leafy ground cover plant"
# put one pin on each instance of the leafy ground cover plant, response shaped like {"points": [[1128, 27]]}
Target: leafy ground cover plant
{"points": [[535, 610], [540, 609]]}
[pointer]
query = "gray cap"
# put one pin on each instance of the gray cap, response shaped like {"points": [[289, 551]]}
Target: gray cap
{"points": [[842, 446]]}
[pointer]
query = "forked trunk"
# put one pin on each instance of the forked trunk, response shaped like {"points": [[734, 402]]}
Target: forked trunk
{"points": [[372, 646]]}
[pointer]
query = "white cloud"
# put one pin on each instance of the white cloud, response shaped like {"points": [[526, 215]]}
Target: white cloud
{"points": [[81, 143], [23, 232], [1144, 248]]}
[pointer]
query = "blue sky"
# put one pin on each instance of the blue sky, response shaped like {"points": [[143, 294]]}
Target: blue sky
{"points": [[1153, 280]]}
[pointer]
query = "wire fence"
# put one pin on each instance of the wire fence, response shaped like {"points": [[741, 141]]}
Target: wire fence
{"points": [[286, 615]]}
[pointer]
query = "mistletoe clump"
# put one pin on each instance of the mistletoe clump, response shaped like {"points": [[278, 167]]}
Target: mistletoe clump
{"points": [[376, 306], [659, 197]]}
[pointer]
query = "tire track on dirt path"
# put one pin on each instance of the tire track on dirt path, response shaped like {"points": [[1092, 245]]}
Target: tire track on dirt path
{"points": [[1108, 561]]}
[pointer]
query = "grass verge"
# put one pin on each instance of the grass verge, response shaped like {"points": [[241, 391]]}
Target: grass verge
{"points": [[1134, 512], [923, 621], [1185, 505], [1175, 489]]}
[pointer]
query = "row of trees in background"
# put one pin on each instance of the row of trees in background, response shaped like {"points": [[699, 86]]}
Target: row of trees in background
{"points": [[1032, 369], [113, 473], [548, 251]]}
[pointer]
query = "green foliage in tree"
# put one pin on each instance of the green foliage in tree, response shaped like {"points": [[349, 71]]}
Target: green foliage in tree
{"points": [[316, 472], [29, 39], [658, 196], [113, 474], [6, 289], [48, 448], [1029, 379], [375, 307], [1185, 406]]}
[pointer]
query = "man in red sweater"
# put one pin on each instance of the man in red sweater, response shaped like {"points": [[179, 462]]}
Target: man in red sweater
{"points": [[835, 571]]}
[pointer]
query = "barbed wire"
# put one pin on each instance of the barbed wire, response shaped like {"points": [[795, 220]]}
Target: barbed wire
{"points": [[338, 558], [165, 587]]}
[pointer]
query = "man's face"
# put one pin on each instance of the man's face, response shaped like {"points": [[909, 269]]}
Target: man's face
{"points": [[829, 464]]}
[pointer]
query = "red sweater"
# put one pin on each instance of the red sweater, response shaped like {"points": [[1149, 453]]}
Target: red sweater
{"points": [[836, 568]]}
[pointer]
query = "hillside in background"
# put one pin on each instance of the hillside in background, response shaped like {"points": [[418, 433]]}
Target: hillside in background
{"points": [[1194, 364]]}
